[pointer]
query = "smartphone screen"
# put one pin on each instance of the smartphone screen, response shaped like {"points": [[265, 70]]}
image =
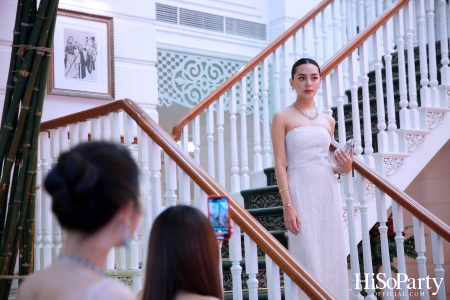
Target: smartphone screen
{"points": [[219, 216]]}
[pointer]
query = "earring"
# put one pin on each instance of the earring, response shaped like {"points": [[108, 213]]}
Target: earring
{"points": [[126, 238]]}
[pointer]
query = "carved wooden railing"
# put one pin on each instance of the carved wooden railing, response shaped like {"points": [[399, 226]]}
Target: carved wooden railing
{"points": [[103, 123]]}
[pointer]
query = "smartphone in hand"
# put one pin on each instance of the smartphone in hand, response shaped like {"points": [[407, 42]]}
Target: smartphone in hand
{"points": [[219, 216]]}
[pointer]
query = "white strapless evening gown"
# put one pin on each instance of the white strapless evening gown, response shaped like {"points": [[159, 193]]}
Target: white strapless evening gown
{"points": [[315, 193]]}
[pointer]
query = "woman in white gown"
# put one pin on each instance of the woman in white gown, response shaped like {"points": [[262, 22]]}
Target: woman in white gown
{"points": [[309, 188]]}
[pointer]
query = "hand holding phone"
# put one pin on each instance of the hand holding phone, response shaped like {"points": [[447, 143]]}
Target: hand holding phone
{"points": [[219, 216]]}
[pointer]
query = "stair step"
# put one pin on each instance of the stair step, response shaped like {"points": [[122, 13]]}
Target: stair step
{"points": [[261, 197], [271, 218], [271, 177]]}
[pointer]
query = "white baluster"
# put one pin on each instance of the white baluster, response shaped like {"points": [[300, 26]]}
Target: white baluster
{"points": [[128, 138], [335, 23], [420, 247], [257, 158], [273, 279], [84, 131], [235, 179], [438, 260], [105, 123], [324, 36], [115, 127], [361, 15], [285, 54], [291, 290], [316, 40], [339, 100], [210, 138], [38, 212], [267, 150], [251, 266], [304, 40], [392, 134], [155, 179], [382, 136], [445, 69], [343, 7], [353, 77], [196, 139], [235, 251], [55, 152], [412, 85], [46, 203], [144, 181], [385, 256], [74, 135], [434, 92], [296, 46], [96, 129], [327, 96], [171, 180], [416, 24], [397, 215], [348, 191], [405, 122], [367, 253], [220, 142], [353, 19], [364, 59], [184, 180], [245, 179], [276, 81], [425, 97]]}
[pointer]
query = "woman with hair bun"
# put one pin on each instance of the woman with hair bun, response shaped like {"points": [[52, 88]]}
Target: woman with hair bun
{"points": [[309, 188], [95, 191]]}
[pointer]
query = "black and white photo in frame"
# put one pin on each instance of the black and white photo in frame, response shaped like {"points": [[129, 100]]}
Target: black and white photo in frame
{"points": [[83, 59]]}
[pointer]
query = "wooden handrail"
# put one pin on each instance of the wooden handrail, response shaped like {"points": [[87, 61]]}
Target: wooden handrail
{"points": [[361, 37], [277, 252], [205, 103], [400, 197]]}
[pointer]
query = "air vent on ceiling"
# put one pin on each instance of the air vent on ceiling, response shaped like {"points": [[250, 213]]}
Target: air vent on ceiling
{"points": [[246, 28], [166, 13], [206, 21], [201, 20]]}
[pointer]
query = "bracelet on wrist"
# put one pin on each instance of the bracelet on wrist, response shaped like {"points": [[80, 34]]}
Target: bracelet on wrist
{"points": [[286, 206], [340, 171], [282, 190]]}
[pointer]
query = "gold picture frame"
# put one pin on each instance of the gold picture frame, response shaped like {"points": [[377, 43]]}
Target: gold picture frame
{"points": [[83, 56]]}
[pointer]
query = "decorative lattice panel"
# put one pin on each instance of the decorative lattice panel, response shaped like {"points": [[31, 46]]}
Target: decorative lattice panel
{"points": [[186, 79]]}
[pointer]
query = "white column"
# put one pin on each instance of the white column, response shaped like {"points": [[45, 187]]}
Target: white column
{"points": [[251, 266], [438, 260], [385, 256], [286, 75], [171, 180], [434, 92], [196, 139], [412, 85], [210, 138], [276, 81], [364, 59], [235, 179], [272, 279], [425, 97], [324, 36], [245, 179], [445, 69], [420, 247], [339, 100], [267, 150], [392, 126], [184, 183], [155, 178], [144, 183], [353, 77], [405, 122], [257, 158], [397, 215], [47, 216], [38, 212], [55, 152], [220, 142]]}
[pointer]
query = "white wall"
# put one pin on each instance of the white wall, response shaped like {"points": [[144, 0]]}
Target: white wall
{"points": [[135, 53]]}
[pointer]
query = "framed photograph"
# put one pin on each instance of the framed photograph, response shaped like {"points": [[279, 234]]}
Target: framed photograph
{"points": [[83, 56]]}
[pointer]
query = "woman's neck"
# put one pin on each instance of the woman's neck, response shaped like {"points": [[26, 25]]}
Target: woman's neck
{"points": [[93, 247], [305, 104]]}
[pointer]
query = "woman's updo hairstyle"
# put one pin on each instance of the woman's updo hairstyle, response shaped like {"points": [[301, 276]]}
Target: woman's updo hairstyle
{"points": [[90, 183], [303, 61]]}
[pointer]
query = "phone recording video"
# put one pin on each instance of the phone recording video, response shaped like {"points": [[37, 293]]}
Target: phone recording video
{"points": [[219, 216]]}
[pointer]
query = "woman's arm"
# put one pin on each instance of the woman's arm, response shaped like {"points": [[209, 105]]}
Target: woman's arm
{"points": [[342, 161], [278, 134]]}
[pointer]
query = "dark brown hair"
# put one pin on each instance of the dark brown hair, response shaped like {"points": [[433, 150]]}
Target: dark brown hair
{"points": [[90, 183], [303, 61], [182, 255]]}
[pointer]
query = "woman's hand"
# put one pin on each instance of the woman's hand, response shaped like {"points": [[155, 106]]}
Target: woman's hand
{"points": [[292, 219], [343, 160]]}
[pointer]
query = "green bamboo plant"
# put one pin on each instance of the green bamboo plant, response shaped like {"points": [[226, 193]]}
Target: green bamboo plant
{"points": [[19, 133]]}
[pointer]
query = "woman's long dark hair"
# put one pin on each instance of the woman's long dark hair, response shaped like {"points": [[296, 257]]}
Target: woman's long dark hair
{"points": [[182, 255]]}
